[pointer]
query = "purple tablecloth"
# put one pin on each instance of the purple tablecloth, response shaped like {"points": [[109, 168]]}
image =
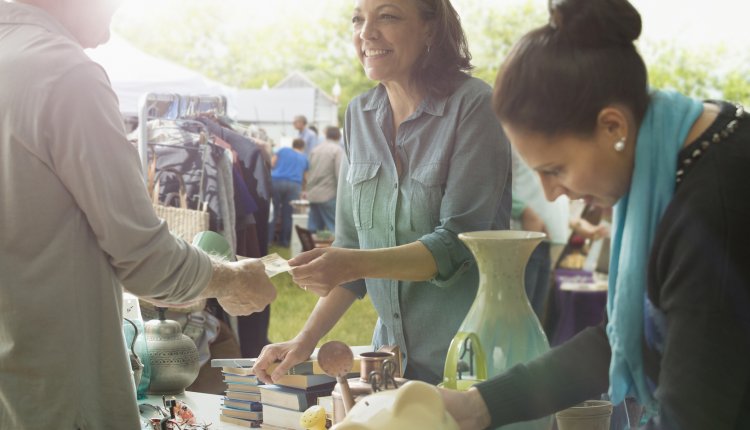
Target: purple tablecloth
{"points": [[576, 310]]}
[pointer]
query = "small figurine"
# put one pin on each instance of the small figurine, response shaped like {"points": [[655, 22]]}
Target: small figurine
{"points": [[184, 414], [314, 418]]}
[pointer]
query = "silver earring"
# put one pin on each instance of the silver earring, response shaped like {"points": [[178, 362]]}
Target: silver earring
{"points": [[428, 49], [620, 145]]}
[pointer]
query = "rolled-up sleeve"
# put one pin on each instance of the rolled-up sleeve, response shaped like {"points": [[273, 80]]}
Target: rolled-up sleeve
{"points": [[473, 199], [101, 170]]}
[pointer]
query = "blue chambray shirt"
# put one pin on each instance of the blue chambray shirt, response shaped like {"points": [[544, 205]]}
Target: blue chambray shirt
{"points": [[456, 177]]}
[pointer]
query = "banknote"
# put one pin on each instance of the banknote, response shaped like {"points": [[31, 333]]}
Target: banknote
{"points": [[275, 264]]}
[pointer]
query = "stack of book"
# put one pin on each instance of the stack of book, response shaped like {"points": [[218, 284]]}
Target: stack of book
{"points": [[241, 403], [284, 402], [283, 405]]}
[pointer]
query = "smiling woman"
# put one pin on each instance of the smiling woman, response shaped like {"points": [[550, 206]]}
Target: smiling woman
{"points": [[574, 99], [414, 144]]}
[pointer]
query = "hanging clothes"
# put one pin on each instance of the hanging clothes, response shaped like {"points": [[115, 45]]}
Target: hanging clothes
{"points": [[205, 168], [255, 171], [252, 232]]}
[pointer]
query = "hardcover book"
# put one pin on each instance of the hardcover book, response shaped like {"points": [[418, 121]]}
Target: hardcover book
{"points": [[241, 379], [242, 414], [240, 422], [280, 417], [309, 367], [305, 381], [246, 405], [245, 388], [293, 398], [241, 395]]}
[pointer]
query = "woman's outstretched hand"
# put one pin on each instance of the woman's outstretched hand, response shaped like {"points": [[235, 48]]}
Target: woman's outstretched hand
{"points": [[322, 269]]}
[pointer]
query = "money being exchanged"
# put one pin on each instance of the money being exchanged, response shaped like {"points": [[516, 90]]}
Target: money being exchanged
{"points": [[275, 264]]}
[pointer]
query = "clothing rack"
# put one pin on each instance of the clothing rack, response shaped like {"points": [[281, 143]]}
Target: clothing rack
{"points": [[171, 106]]}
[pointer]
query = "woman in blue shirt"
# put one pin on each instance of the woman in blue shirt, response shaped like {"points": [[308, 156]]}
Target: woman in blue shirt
{"points": [[425, 160]]}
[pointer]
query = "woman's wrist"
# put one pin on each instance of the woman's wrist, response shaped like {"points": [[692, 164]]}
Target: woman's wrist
{"points": [[479, 408], [307, 337]]}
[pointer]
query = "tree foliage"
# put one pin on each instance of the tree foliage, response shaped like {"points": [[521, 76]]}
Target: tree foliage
{"points": [[228, 42]]}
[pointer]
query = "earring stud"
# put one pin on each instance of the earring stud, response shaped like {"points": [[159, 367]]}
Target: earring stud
{"points": [[620, 145]]}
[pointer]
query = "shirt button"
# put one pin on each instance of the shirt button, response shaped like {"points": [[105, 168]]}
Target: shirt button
{"points": [[396, 315], [391, 228]]}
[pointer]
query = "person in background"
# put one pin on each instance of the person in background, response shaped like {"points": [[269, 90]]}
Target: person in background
{"points": [[414, 145], [77, 226], [287, 176], [322, 181], [305, 133], [573, 98], [538, 268], [532, 212]]}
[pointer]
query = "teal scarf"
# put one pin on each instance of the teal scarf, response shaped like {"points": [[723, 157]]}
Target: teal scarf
{"points": [[636, 216]]}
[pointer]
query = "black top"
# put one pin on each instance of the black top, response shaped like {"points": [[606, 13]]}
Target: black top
{"points": [[699, 276]]}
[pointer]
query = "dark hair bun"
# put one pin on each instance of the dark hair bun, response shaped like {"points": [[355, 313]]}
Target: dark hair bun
{"points": [[595, 23]]}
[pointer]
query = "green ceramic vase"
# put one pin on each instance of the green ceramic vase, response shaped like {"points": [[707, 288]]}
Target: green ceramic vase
{"points": [[500, 330]]}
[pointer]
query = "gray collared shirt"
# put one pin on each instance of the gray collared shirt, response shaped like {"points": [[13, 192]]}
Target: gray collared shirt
{"points": [[323, 176], [456, 177], [76, 226]]}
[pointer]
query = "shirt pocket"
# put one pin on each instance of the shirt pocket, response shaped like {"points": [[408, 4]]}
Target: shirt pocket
{"points": [[426, 197], [363, 178]]}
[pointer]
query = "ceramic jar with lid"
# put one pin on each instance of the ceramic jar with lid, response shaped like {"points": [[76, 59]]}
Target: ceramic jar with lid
{"points": [[173, 356]]}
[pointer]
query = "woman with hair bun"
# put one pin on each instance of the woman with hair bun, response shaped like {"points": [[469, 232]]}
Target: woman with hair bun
{"points": [[573, 99]]}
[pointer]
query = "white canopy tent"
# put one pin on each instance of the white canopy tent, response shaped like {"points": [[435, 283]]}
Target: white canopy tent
{"points": [[134, 73]]}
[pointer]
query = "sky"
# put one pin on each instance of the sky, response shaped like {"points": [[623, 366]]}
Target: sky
{"points": [[693, 23], [689, 22]]}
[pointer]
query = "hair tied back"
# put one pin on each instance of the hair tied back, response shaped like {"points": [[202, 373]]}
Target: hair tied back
{"points": [[595, 23]]}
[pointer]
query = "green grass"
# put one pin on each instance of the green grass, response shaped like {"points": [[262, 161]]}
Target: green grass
{"points": [[293, 305]]}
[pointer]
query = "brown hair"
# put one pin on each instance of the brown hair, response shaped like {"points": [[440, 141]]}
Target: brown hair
{"points": [[558, 77], [441, 68], [333, 133], [298, 143]]}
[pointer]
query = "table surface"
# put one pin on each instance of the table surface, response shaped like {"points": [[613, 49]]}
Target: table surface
{"points": [[206, 407]]}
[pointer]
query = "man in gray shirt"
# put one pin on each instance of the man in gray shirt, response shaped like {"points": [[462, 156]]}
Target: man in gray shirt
{"points": [[322, 180], [77, 226]]}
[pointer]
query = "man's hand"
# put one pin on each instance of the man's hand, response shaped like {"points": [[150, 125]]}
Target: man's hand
{"points": [[240, 287]]}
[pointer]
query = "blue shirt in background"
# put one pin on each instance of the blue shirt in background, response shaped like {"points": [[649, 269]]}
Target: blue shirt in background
{"points": [[310, 138], [290, 166]]}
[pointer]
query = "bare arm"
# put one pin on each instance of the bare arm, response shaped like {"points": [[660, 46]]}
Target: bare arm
{"points": [[321, 270]]}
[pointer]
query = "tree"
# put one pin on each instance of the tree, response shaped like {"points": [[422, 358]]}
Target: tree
{"points": [[232, 42], [492, 32], [226, 42]]}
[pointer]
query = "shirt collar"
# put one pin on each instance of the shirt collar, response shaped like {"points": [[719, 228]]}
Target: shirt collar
{"points": [[25, 14], [431, 105]]}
